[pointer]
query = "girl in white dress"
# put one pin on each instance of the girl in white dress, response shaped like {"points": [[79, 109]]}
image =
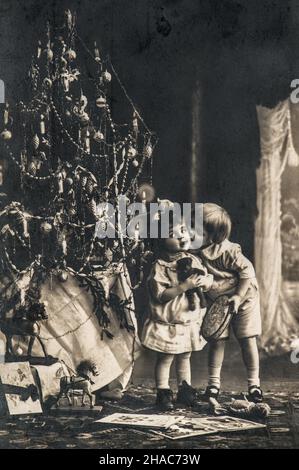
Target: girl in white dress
{"points": [[172, 328]]}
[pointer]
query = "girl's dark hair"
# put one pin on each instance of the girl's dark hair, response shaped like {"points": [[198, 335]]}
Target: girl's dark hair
{"points": [[216, 222], [157, 244]]}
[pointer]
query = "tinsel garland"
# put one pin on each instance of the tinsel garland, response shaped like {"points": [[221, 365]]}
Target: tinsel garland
{"points": [[95, 287], [122, 308]]}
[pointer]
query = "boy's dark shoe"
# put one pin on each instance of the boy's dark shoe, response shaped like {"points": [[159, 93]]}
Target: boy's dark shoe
{"points": [[255, 394], [164, 399], [211, 392], [187, 395]]}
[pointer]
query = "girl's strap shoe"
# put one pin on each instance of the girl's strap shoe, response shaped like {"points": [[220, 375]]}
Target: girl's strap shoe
{"points": [[211, 392], [255, 394]]}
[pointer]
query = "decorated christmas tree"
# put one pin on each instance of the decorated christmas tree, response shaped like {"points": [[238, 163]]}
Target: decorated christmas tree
{"points": [[64, 155]]}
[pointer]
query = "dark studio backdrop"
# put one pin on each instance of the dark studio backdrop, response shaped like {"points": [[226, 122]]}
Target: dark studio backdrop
{"points": [[237, 53]]}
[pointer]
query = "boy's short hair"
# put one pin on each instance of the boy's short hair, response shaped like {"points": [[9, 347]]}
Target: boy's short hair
{"points": [[216, 222]]}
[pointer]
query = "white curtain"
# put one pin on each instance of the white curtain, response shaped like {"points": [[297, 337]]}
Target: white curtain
{"points": [[279, 325]]}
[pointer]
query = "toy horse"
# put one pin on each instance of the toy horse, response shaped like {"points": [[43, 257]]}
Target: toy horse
{"points": [[25, 323], [79, 382]]}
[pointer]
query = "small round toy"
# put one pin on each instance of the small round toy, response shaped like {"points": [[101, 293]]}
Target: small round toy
{"points": [[217, 318]]}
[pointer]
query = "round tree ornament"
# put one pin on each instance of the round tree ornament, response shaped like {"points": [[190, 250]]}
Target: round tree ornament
{"points": [[132, 152], [6, 135], [148, 151], [46, 227], [106, 76], [70, 55], [101, 102]]}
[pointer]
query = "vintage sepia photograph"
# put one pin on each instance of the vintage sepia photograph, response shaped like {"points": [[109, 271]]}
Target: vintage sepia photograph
{"points": [[149, 226]]}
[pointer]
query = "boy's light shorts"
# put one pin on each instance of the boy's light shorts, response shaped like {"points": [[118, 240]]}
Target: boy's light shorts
{"points": [[247, 322]]}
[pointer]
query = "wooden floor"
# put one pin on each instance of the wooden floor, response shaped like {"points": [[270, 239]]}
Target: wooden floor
{"points": [[80, 431]]}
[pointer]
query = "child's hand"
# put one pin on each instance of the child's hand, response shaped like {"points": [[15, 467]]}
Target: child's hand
{"points": [[206, 282], [235, 302], [192, 282]]}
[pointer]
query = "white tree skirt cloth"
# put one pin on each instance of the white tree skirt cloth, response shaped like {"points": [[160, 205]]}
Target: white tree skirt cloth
{"points": [[72, 332]]}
